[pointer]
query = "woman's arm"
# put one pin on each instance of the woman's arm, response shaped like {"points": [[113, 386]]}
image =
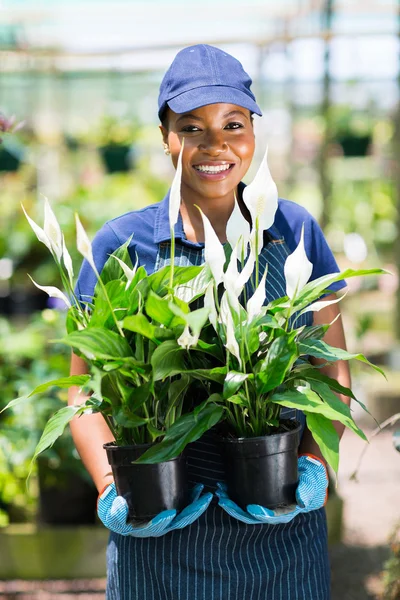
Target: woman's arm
{"points": [[90, 432], [338, 370]]}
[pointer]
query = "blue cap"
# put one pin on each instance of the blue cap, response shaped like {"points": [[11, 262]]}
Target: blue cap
{"points": [[201, 75]]}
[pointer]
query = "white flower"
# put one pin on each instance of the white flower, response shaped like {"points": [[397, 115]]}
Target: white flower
{"points": [[238, 228], [52, 291], [129, 273], [213, 251], [209, 303], [39, 232], [83, 243], [186, 339], [175, 193], [297, 269], [67, 262], [247, 271], [231, 341], [52, 230], [230, 278], [261, 198], [256, 302]]}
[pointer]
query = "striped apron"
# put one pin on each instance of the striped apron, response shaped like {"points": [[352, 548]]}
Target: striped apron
{"points": [[218, 557]]}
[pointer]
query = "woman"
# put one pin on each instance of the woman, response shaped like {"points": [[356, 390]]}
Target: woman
{"points": [[216, 552]]}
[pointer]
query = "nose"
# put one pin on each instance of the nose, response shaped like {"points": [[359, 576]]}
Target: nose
{"points": [[213, 143]]}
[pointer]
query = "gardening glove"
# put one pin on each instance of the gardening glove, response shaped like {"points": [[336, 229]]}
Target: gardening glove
{"points": [[113, 512], [311, 494]]}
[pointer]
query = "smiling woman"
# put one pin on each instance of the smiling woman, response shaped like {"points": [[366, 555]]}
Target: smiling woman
{"points": [[205, 108]]}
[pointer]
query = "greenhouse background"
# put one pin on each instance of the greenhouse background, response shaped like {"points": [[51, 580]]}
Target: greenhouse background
{"points": [[83, 76]]}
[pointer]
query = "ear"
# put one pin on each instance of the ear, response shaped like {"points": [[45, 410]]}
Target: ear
{"points": [[164, 133]]}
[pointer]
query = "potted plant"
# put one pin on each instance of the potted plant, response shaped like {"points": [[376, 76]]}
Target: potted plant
{"points": [[265, 364], [11, 152], [352, 132], [115, 138], [132, 336]]}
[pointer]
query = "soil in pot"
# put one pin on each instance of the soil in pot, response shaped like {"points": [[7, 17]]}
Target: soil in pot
{"points": [[148, 489], [263, 470]]}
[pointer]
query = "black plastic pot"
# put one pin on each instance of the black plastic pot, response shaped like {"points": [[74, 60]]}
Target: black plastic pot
{"points": [[71, 502], [355, 145], [116, 159], [263, 470], [148, 489]]}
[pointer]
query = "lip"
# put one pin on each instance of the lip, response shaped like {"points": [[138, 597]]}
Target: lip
{"points": [[213, 163]]}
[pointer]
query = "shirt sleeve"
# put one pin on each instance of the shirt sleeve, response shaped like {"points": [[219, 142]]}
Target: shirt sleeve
{"points": [[289, 221], [104, 243]]}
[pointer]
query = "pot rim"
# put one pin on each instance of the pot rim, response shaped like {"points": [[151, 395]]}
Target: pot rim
{"points": [[115, 446], [251, 440]]}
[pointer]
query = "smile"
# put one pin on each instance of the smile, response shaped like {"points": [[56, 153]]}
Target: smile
{"points": [[212, 169]]}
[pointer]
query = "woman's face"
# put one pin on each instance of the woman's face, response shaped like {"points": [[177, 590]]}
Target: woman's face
{"points": [[218, 149]]}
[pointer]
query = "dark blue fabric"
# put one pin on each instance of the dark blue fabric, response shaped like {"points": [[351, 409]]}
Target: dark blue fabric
{"points": [[217, 557]]}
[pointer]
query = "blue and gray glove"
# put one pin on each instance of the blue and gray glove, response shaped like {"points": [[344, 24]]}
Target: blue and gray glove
{"points": [[311, 494], [113, 512]]}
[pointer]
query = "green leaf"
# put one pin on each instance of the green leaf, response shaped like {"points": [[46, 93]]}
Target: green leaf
{"points": [[55, 427], [62, 382], [15, 402], [112, 269], [217, 374], [159, 280], [158, 309], [98, 343], [101, 315], [314, 289], [325, 393], [125, 417], [309, 373], [278, 362], [186, 429], [140, 324], [309, 402], [195, 287], [232, 383], [320, 349], [167, 360], [326, 437], [236, 399]]}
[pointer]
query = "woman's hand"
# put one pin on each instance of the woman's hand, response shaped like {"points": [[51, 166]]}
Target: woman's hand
{"points": [[311, 494], [113, 512]]}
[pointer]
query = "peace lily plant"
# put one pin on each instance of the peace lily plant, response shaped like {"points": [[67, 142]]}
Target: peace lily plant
{"points": [[152, 342]]}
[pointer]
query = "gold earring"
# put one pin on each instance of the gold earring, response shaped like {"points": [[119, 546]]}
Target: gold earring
{"points": [[167, 151]]}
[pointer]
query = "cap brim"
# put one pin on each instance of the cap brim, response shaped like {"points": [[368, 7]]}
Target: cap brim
{"points": [[202, 96]]}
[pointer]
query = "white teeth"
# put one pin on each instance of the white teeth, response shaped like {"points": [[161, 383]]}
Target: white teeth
{"points": [[210, 169]]}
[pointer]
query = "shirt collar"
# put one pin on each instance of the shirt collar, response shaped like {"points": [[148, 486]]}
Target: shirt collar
{"points": [[162, 232]]}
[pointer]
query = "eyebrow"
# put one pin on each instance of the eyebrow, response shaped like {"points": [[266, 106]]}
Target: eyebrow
{"points": [[225, 116]]}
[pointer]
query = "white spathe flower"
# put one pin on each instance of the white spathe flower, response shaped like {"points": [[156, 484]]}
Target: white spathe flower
{"points": [[175, 193], [297, 269], [256, 302], [261, 198], [52, 230], [186, 339], [237, 228], [83, 243], [230, 279], [209, 303], [247, 270], [39, 232], [128, 272], [67, 262], [214, 254], [52, 291], [231, 341]]}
